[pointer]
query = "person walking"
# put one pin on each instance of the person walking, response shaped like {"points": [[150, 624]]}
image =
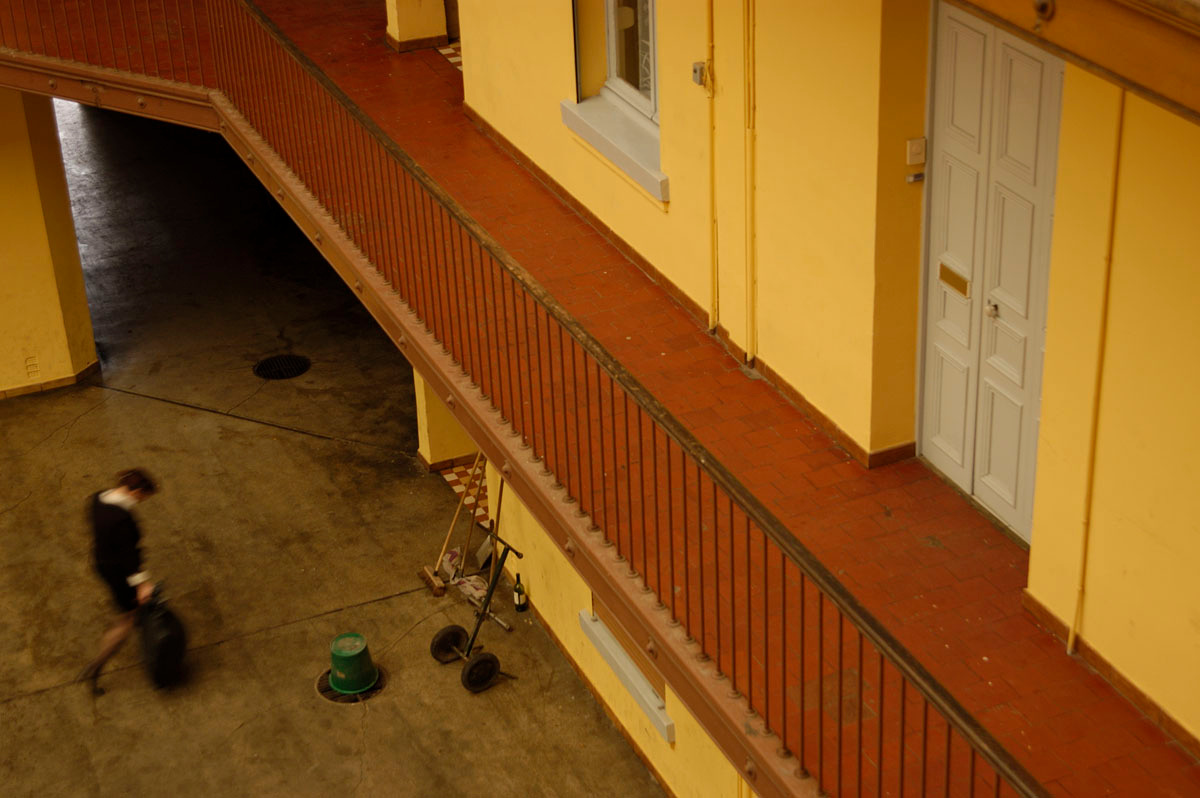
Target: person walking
{"points": [[117, 558]]}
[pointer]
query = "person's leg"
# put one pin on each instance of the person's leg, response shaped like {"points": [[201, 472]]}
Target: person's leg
{"points": [[114, 637]]}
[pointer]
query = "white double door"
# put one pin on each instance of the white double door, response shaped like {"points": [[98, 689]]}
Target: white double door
{"points": [[991, 184]]}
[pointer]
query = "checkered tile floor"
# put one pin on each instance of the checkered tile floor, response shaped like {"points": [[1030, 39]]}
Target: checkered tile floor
{"points": [[458, 476], [453, 53]]}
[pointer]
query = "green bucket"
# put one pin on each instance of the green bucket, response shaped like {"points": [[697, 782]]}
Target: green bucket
{"points": [[352, 670]]}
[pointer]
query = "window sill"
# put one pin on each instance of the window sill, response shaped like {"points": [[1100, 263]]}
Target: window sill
{"points": [[627, 672], [621, 135]]}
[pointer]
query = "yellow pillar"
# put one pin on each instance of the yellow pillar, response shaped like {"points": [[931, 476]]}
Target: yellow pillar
{"points": [[441, 440], [414, 24], [898, 219], [45, 330], [1083, 206]]}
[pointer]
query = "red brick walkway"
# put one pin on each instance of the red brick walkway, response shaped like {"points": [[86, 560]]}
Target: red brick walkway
{"points": [[933, 570]]}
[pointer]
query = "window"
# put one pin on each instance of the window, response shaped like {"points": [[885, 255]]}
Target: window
{"points": [[630, 39], [616, 110]]}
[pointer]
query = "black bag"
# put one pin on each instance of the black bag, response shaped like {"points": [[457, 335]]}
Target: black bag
{"points": [[163, 642]]}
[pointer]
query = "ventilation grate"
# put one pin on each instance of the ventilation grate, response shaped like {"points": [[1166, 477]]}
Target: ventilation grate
{"points": [[281, 367]]}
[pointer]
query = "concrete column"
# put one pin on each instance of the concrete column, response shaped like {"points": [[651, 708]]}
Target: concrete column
{"points": [[415, 24], [441, 440], [45, 329]]}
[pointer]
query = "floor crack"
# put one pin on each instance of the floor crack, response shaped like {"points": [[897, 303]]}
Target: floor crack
{"points": [[67, 425], [407, 455], [247, 399], [18, 504]]}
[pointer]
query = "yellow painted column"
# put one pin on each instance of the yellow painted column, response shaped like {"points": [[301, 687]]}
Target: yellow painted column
{"points": [[1117, 381], [839, 227], [413, 24], [45, 329], [1082, 217], [441, 440], [1141, 606], [904, 51]]}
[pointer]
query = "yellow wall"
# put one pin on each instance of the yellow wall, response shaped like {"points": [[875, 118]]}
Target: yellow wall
{"points": [[693, 765], [838, 229], [730, 97], [519, 67], [1141, 608], [817, 145], [439, 435], [45, 328], [408, 20], [1083, 204], [898, 223]]}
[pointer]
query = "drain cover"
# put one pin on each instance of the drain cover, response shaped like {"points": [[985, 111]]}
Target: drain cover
{"points": [[329, 694], [281, 367]]}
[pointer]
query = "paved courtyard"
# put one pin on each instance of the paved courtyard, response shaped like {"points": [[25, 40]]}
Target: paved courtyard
{"points": [[290, 511]]}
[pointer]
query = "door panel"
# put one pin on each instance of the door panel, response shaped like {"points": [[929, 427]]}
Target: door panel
{"points": [[1019, 79], [958, 201], [1000, 420], [995, 130], [1016, 267], [1010, 254], [960, 209], [964, 77], [1005, 351], [955, 315], [951, 381]]}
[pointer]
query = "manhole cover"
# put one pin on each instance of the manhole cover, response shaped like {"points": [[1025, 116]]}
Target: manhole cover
{"points": [[281, 367], [329, 694]]}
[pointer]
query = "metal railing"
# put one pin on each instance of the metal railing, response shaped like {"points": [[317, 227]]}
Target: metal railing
{"points": [[853, 706], [166, 39]]}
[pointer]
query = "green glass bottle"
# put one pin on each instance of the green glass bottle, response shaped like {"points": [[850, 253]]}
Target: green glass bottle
{"points": [[520, 600]]}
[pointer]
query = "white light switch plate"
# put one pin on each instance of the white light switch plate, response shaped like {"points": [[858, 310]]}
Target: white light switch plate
{"points": [[915, 152]]}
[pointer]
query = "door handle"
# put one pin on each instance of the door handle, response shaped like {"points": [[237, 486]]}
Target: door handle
{"points": [[993, 310]]}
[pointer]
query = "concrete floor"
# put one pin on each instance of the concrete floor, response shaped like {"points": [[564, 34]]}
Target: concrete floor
{"points": [[290, 511]]}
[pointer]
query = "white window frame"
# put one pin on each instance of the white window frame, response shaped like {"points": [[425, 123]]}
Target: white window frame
{"points": [[617, 85], [619, 121]]}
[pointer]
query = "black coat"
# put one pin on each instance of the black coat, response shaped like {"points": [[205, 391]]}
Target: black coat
{"points": [[116, 549]]}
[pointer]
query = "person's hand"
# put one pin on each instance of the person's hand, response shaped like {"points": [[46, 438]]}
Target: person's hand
{"points": [[144, 591]]}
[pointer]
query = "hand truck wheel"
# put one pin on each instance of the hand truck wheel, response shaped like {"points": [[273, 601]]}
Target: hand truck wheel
{"points": [[447, 645], [480, 671]]}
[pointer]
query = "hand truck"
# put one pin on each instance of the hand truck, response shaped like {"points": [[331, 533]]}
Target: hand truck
{"points": [[452, 642]]}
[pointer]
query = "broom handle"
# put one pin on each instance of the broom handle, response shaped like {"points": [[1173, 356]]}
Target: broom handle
{"points": [[495, 522], [495, 532], [461, 500], [461, 568]]}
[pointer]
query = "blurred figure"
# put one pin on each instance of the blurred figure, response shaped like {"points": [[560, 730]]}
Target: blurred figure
{"points": [[117, 558]]}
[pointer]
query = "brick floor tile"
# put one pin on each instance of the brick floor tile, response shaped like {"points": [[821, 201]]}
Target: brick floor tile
{"points": [[1083, 785], [1124, 774], [989, 694], [863, 529], [1147, 732], [1165, 760], [1089, 751], [917, 607], [924, 488]]}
